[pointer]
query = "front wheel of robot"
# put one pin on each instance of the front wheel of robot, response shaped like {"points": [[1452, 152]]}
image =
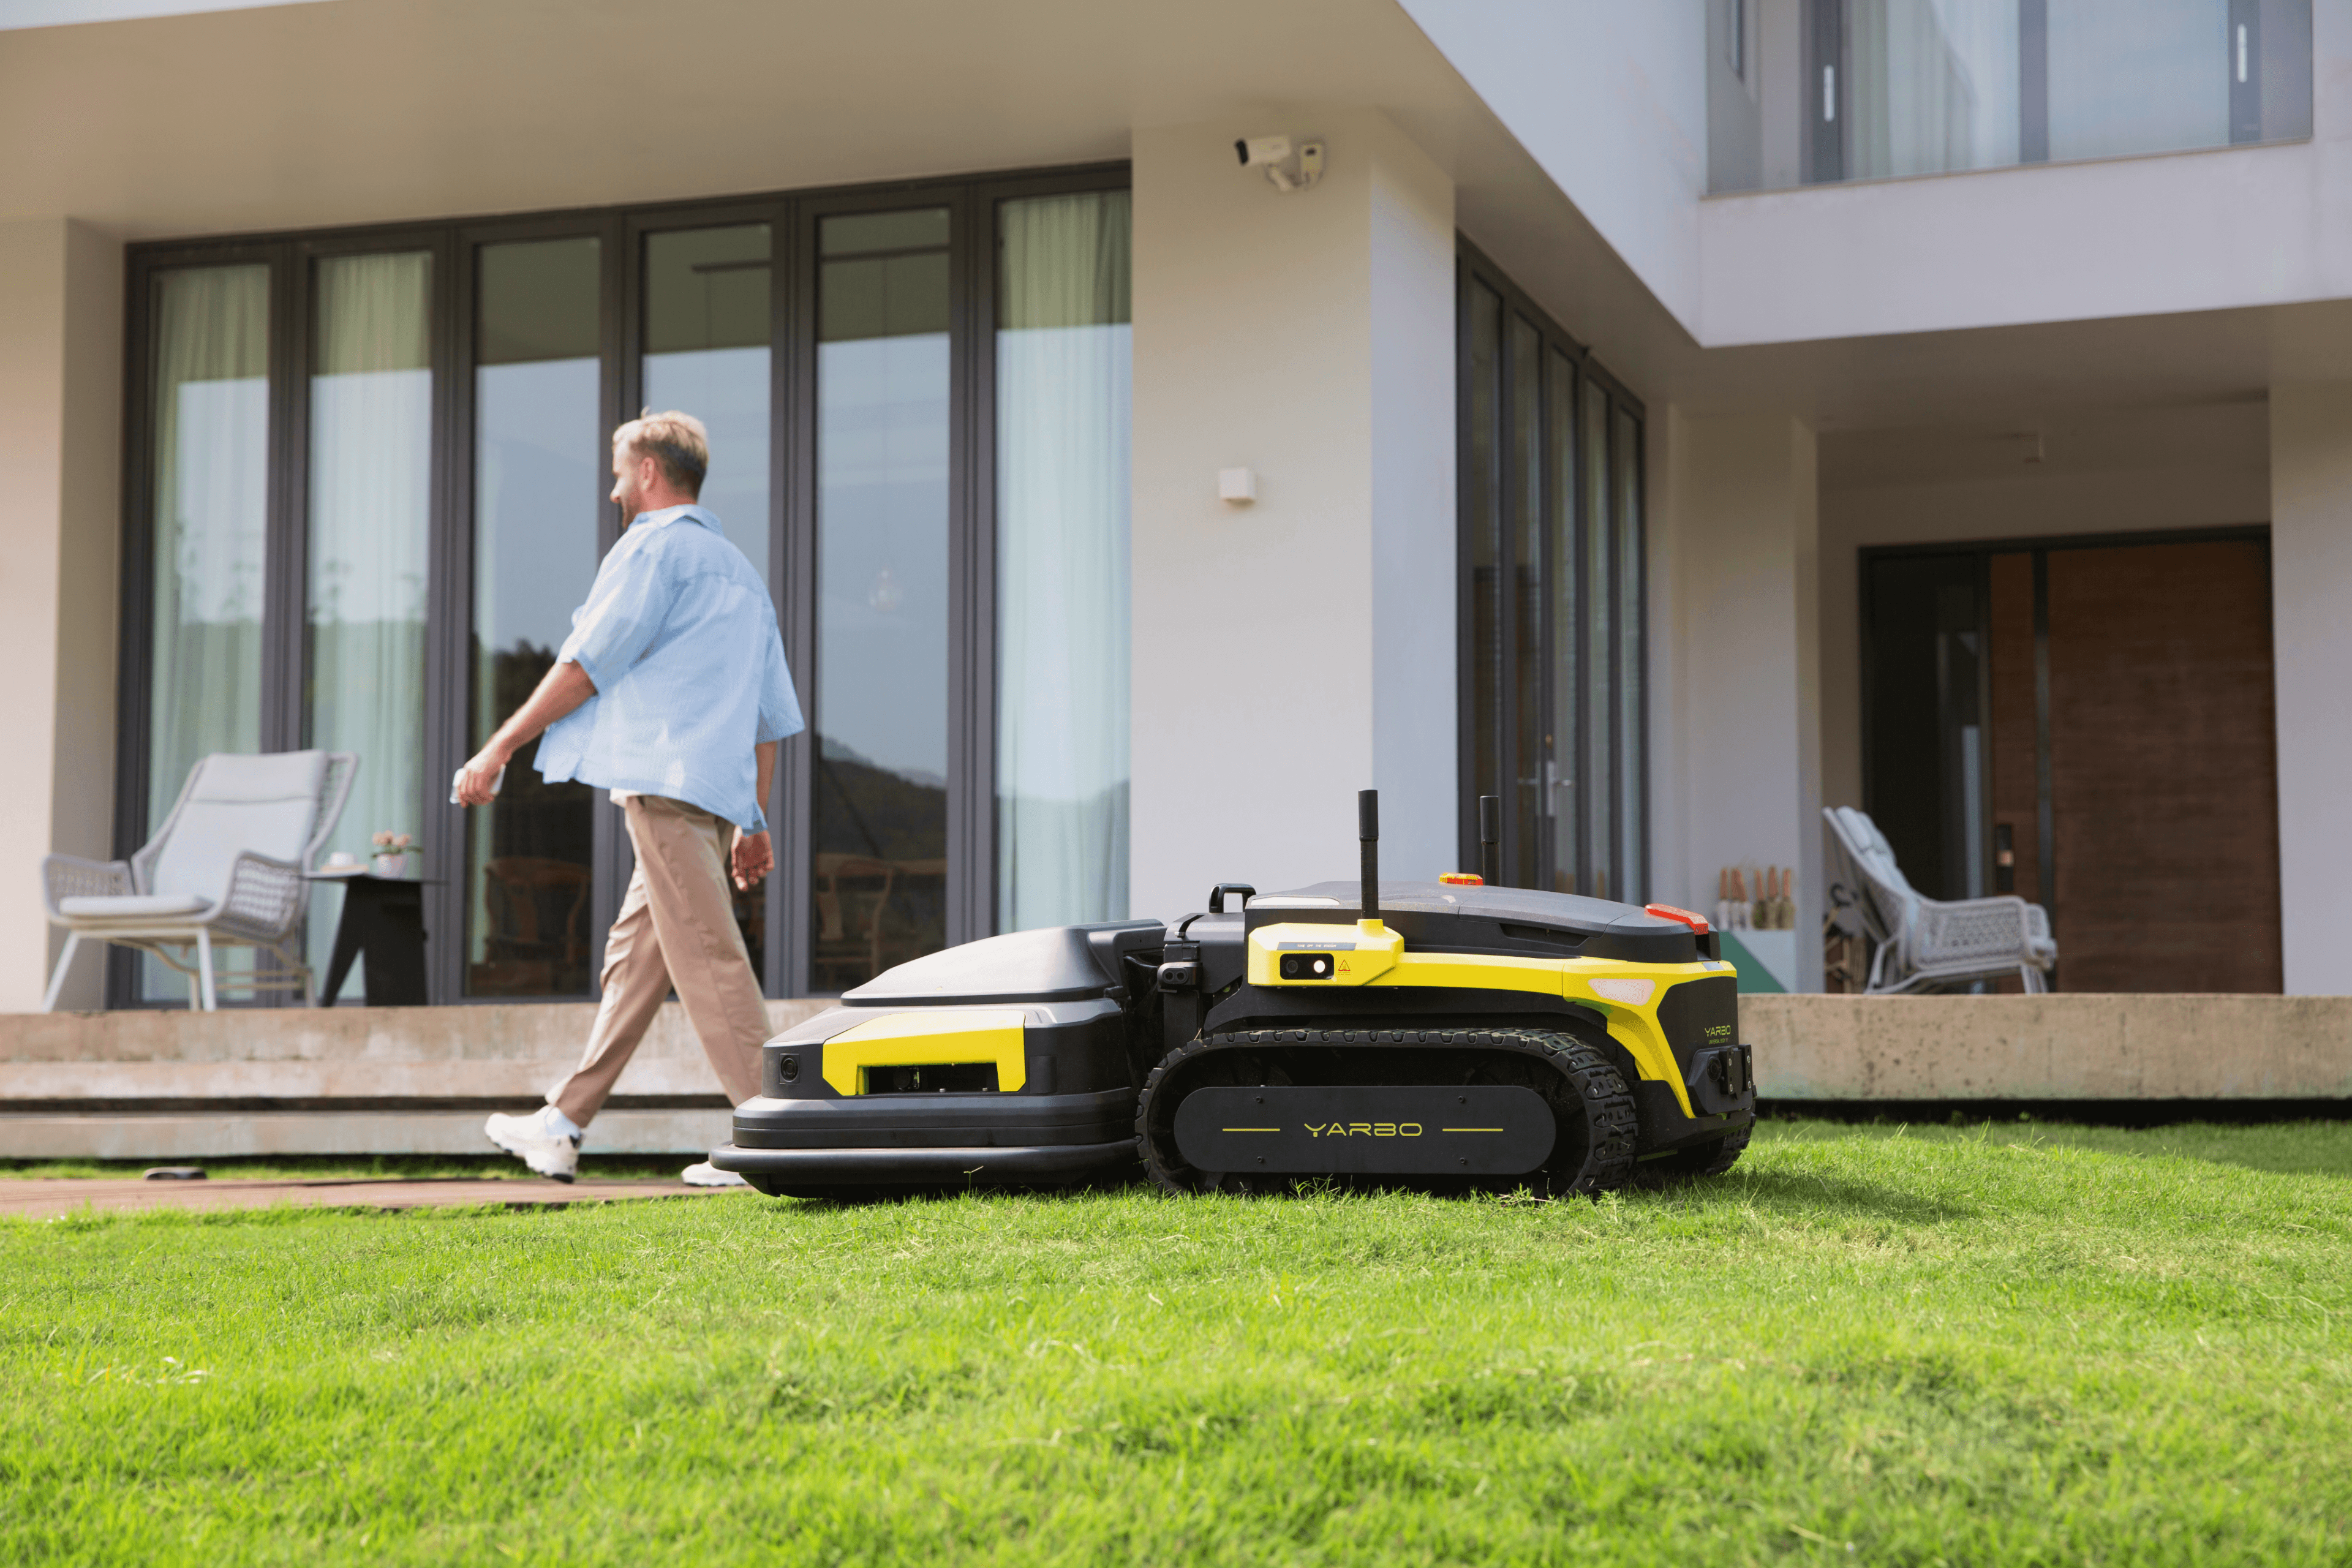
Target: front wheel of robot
{"points": [[1592, 1110]]}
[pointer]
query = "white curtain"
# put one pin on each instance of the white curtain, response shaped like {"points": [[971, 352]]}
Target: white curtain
{"points": [[1063, 402], [210, 507], [371, 477]]}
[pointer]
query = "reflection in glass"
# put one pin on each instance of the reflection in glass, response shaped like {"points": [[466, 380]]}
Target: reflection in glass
{"points": [[540, 466], [707, 333], [370, 500], [1487, 543], [1063, 386], [879, 817], [1891, 87], [1600, 766], [1632, 818], [210, 463], [1524, 800], [1935, 86], [2138, 76], [1560, 439]]}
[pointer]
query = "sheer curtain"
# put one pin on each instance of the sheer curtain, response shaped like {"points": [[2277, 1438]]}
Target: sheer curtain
{"points": [[1935, 86], [371, 479], [209, 506], [1063, 412]]}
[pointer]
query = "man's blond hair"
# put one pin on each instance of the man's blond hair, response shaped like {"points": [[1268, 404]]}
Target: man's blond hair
{"points": [[676, 442]]}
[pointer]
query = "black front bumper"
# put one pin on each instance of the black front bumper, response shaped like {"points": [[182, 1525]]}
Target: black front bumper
{"points": [[932, 1140], [795, 1170]]}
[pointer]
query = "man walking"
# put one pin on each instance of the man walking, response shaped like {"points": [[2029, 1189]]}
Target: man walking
{"points": [[671, 692]]}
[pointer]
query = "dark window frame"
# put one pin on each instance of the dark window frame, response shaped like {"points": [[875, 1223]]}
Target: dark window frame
{"points": [[621, 231], [1473, 269]]}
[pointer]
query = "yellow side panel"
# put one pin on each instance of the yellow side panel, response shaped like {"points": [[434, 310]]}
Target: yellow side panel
{"points": [[1476, 971], [930, 1037]]}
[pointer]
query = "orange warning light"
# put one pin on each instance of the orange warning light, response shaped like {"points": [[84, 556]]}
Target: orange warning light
{"points": [[1461, 879], [1667, 911]]}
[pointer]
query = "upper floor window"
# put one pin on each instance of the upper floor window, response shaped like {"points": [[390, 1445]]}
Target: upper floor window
{"points": [[1889, 88]]}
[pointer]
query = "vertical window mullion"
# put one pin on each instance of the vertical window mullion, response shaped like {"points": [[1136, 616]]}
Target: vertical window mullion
{"points": [[967, 740], [283, 666], [797, 352]]}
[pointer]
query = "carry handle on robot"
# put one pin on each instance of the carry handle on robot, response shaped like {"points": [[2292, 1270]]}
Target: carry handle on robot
{"points": [[1217, 894]]}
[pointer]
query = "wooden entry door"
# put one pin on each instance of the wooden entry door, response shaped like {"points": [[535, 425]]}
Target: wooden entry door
{"points": [[2133, 742]]}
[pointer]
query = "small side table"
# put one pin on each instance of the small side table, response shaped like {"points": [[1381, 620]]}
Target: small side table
{"points": [[383, 917]]}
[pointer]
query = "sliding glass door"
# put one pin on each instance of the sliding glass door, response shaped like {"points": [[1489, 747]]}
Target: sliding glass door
{"points": [[539, 474], [1064, 353], [368, 544], [1552, 624], [879, 828], [708, 328], [369, 487], [208, 467]]}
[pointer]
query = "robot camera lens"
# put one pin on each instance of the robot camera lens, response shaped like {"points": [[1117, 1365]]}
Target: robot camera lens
{"points": [[1305, 966]]}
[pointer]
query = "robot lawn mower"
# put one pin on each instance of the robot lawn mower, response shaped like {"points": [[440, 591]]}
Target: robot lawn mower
{"points": [[1450, 1035]]}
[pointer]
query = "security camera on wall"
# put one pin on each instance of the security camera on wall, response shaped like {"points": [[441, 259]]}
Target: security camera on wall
{"points": [[1286, 168]]}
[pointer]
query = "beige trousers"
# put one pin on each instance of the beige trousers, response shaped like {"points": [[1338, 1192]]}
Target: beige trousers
{"points": [[676, 928]]}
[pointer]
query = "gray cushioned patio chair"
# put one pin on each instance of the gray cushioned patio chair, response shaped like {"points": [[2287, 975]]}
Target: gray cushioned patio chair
{"points": [[1926, 945], [224, 870]]}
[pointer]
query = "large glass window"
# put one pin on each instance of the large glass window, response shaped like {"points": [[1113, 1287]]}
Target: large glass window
{"points": [[880, 835], [1601, 878], [1553, 629], [1485, 540], [209, 509], [539, 471], [1874, 89], [1633, 689], [919, 408], [1563, 767], [706, 351], [1064, 356], [1530, 752], [370, 510]]}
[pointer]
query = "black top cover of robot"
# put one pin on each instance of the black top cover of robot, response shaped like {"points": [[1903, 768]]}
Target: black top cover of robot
{"points": [[1367, 831]]}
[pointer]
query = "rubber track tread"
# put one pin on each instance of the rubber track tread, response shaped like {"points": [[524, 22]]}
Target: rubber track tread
{"points": [[1613, 1127]]}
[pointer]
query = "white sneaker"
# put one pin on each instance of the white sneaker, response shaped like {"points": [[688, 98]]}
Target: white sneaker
{"points": [[703, 1173], [546, 1141]]}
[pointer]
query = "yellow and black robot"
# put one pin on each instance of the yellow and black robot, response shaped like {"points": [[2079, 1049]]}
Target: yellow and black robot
{"points": [[1451, 1035]]}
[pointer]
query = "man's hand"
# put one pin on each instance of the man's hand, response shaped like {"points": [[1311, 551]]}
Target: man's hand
{"points": [[559, 691], [754, 858], [480, 777]]}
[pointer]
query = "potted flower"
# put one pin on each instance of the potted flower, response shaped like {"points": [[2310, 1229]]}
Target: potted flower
{"points": [[392, 853]]}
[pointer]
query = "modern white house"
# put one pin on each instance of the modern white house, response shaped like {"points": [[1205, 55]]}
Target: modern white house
{"points": [[1672, 417]]}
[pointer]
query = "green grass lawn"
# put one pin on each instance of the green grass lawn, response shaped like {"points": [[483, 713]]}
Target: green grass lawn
{"points": [[2010, 1343]]}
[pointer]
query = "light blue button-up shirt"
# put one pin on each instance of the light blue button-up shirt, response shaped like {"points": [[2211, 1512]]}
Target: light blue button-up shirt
{"points": [[679, 636]]}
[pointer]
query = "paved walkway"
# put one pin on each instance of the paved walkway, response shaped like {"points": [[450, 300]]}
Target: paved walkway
{"points": [[44, 1198]]}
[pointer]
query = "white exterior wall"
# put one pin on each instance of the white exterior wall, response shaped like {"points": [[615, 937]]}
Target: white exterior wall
{"points": [[60, 417], [1737, 760], [1611, 100], [2311, 608], [1291, 653]]}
